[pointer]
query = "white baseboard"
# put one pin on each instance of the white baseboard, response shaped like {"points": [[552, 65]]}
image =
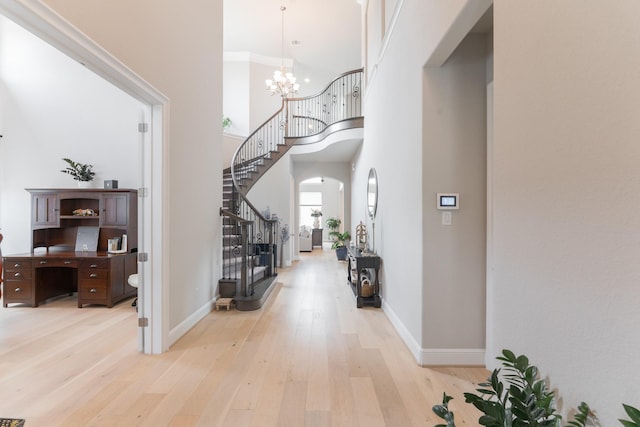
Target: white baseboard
{"points": [[434, 356], [405, 335], [176, 333]]}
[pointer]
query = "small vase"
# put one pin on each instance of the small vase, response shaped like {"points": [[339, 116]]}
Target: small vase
{"points": [[84, 184], [316, 223]]}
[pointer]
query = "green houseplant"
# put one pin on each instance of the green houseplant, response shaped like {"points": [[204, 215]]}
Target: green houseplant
{"points": [[514, 395], [339, 239], [226, 123], [79, 171]]}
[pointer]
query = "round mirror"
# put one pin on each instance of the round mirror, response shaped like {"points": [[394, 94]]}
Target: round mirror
{"points": [[372, 193]]}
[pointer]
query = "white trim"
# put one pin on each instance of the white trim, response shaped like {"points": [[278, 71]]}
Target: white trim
{"points": [[434, 356], [385, 42], [405, 335], [178, 332], [452, 357], [45, 23], [489, 322]]}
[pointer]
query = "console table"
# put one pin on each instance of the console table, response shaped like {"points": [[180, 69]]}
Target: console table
{"points": [[316, 237], [370, 262]]}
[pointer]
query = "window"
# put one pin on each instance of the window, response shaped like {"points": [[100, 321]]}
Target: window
{"points": [[309, 200]]}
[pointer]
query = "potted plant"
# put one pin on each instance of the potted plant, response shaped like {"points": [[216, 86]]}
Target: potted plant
{"points": [[516, 395], [338, 238], [82, 173]]}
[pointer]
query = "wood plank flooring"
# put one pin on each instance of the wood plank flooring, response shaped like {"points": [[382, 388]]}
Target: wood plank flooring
{"points": [[309, 357]]}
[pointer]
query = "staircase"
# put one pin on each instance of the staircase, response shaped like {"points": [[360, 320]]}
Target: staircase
{"points": [[249, 238]]}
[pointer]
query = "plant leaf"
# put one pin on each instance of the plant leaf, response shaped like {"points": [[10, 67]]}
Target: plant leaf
{"points": [[633, 413]]}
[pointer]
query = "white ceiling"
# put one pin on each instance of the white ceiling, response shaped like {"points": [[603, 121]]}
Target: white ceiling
{"points": [[328, 30], [329, 35]]}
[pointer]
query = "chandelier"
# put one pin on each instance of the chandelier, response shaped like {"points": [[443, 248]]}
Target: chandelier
{"points": [[283, 83]]}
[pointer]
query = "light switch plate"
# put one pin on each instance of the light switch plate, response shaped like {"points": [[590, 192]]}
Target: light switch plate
{"points": [[446, 218]]}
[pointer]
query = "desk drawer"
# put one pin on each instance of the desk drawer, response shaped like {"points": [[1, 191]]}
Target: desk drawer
{"points": [[17, 269], [55, 262], [93, 275], [92, 290], [94, 264], [18, 291]]}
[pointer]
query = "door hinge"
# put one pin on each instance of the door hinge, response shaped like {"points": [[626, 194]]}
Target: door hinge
{"points": [[143, 256], [143, 322], [143, 192], [143, 127]]}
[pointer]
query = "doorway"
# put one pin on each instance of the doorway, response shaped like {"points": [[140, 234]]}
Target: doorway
{"points": [[38, 20]]}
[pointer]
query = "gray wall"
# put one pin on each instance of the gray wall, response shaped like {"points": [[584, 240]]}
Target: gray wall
{"points": [[564, 188], [566, 196], [454, 161]]}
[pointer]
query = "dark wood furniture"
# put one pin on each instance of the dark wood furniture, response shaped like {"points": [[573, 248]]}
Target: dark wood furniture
{"points": [[53, 222], [99, 277], [1, 275], [54, 267], [316, 237], [364, 264]]}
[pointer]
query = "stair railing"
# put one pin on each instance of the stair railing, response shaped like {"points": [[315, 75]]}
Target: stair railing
{"points": [[298, 121]]}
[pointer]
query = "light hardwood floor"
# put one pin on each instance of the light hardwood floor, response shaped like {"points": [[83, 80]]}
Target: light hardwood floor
{"points": [[309, 357]]}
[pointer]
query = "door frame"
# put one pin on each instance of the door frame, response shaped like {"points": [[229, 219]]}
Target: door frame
{"points": [[43, 22]]}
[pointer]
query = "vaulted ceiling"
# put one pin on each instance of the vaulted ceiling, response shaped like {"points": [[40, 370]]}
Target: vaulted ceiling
{"points": [[328, 32]]}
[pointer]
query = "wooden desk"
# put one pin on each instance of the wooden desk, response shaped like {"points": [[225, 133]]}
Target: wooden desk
{"points": [[359, 261], [98, 277]]}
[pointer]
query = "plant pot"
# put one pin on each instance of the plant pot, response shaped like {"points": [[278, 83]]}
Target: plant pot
{"points": [[84, 184], [341, 253], [227, 288]]}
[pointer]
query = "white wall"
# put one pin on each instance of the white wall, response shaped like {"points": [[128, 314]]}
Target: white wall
{"points": [[331, 195], [567, 192], [45, 116], [263, 105], [179, 51], [270, 192], [236, 96]]}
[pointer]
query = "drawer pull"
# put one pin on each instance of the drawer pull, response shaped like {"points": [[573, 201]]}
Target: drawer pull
{"points": [[93, 290], [43, 262], [67, 262], [17, 265], [93, 275], [18, 274], [93, 266], [18, 290]]}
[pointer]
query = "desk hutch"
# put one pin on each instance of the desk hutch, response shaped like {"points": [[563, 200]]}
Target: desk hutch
{"points": [[54, 267]]}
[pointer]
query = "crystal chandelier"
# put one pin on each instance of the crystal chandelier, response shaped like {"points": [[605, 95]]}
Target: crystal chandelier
{"points": [[282, 83]]}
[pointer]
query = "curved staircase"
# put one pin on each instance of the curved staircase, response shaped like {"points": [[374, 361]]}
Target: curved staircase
{"points": [[249, 237]]}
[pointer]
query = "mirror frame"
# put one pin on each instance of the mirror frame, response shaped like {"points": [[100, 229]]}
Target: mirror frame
{"points": [[372, 189]]}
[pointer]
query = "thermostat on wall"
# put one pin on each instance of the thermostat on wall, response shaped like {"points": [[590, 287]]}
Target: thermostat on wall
{"points": [[448, 201]]}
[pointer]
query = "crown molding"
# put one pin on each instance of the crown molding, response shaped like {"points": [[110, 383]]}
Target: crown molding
{"points": [[255, 58]]}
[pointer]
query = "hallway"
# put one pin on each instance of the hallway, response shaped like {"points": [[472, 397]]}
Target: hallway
{"points": [[308, 358]]}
